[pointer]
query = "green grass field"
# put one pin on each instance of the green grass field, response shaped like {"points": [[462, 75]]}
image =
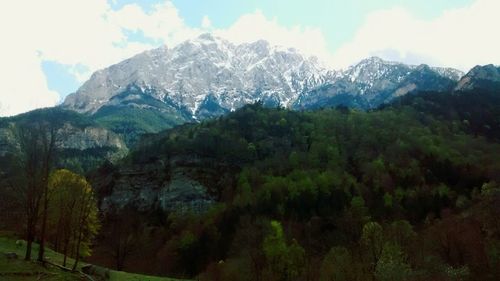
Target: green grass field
{"points": [[20, 270]]}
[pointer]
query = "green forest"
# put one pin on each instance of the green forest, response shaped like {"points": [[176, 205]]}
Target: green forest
{"points": [[406, 192]]}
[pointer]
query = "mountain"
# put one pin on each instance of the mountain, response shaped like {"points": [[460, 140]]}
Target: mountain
{"points": [[374, 81], [475, 101], [480, 77], [209, 76], [198, 73]]}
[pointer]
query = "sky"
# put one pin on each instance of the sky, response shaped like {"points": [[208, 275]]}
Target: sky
{"points": [[49, 48]]}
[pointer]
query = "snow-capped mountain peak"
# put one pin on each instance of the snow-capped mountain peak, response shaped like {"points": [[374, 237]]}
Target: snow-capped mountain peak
{"points": [[208, 76], [205, 66]]}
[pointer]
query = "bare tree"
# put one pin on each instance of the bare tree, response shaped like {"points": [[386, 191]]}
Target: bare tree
{"points": [[37, 144], [48, 146]]}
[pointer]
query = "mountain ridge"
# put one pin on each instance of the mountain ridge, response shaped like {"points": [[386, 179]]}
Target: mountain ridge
{"points": [[210, 71], [193, 70]]}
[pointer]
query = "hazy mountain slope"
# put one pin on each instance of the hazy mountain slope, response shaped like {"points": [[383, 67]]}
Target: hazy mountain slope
{"points": [[373, 82], [484, 77]]}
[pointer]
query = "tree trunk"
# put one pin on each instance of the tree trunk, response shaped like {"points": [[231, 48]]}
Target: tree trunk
{"points": [[77, 256], [65, 252], [119, 258], [59, 239], [83, 217], [49, 146], [30, 219], [41, 251], [119, 264], [29, 244], [30, 236], [117, 254]]}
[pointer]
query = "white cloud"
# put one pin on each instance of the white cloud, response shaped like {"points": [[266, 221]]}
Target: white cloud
{"points": [[460, 38], [206, 23], [162, 23], [23, 83], [255, 26]]}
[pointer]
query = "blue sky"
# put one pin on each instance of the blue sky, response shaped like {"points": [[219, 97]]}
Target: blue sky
{"points": [[67, 44]]}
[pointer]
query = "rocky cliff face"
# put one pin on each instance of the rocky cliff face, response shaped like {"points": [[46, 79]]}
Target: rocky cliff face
{"points": [[7, 140], [73, 137], [159, 185], [97, 142], [81, 143]]}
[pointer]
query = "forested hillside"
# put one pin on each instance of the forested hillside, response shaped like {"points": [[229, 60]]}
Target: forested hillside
{"points": [[406, 192]]}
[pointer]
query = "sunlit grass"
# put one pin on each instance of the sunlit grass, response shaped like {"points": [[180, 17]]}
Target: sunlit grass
{"points": [[20, 270]]}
